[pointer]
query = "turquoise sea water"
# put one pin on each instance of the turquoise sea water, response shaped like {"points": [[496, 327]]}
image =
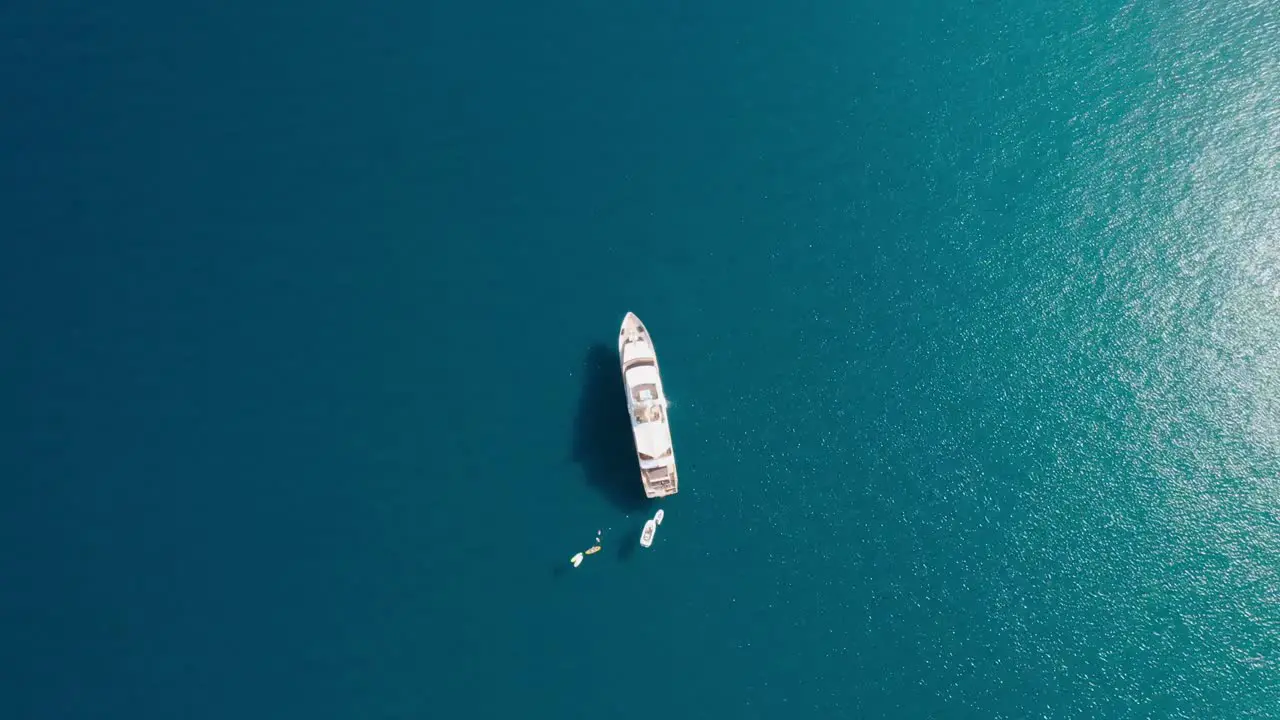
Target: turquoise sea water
{"points": [[968, 313]]}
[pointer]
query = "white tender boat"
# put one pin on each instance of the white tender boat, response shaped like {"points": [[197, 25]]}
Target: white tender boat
{"points": [[657, 519], [646, 537], [647, 404]]}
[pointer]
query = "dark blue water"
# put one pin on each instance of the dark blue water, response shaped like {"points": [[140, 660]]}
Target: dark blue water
{"points": [[967, 313]]}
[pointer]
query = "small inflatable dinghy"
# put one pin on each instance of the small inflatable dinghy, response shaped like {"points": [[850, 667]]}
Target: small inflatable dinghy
{"points": [[646, 537]]}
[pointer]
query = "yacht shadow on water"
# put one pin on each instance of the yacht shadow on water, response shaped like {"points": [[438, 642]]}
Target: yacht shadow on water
{"points": [[602, 442], [628, 543]]}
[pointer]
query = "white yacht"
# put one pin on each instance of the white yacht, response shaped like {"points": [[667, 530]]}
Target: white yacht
{"points": [[647, 404]]}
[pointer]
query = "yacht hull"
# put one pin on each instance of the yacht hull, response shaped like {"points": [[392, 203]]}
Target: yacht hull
{"points": [[647, 408]]}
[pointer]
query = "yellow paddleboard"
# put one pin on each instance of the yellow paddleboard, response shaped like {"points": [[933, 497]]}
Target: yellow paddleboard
{"points": [[594, 550]]}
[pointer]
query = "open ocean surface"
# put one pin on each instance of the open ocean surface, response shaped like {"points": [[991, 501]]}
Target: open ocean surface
{"points": [[969, 312]]}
